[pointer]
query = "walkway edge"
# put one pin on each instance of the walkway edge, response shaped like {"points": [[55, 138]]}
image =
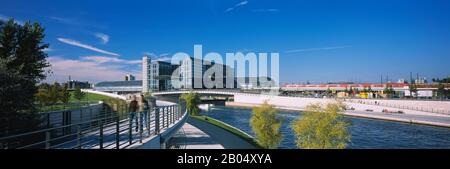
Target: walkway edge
{"points": [[228, 139]]}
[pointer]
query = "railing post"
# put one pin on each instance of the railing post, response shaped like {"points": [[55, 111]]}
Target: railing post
{"points": [[141, 125], [163, 116], [117, 132], [79, 136], [172, 108], [147, 120], [47, 139], [48, 120], [167, 116], [100, 140], [156, 120], [179, 111], [130, 124]]}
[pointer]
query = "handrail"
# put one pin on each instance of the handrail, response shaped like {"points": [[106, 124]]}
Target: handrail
{"points": [[109, 129]]}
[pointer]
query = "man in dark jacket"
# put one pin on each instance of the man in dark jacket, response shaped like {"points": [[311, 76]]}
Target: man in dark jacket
{"points": [[132, 109]]}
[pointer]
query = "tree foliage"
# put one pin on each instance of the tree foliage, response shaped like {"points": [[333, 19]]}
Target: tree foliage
{"points": [[64, 94], [321, 127], [54, 94], [441, 91], [192, 100], [266, 126], [78, 94], [22, 65], [413, 89]]}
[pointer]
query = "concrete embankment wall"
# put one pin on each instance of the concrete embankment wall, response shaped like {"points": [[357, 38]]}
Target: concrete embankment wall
{"points": [[279, 101], [441, 107], [298, 103]]}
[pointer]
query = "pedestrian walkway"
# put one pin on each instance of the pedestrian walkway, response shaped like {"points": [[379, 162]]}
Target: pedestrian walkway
{"points": [[190, 137], [197, 134]]}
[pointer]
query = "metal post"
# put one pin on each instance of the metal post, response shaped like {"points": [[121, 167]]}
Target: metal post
{"points": [[47, 139], [100, 140], [149, 112], [163, 117], [140, 126], [130, 134], [79, 136], [172, 113], [117, 132], [48, 120], [156, 120], [167, 116]]}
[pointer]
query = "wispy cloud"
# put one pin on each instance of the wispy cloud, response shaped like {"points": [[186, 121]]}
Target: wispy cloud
{"points": [[89, 47], [103, 37], [85, 70], [316, 49], [106, 59], [158, 57], [236, 6], [48, 50], [64, 20], [77, 22], [6, 18], [266, 10]]}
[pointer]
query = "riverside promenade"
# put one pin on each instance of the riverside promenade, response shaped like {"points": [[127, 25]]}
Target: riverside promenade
{"points": [[197, 134], [360, 110]]}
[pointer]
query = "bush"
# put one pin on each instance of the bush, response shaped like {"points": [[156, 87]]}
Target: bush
{"points": [[321, 128]]}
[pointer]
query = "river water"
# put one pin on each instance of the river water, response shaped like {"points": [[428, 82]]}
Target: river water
{"points": [[366, 133]]}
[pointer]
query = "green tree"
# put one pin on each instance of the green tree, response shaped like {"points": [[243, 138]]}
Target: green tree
{"points": [[369, 89], [441, 92], [42, 97], [329, 92], [78, 94], [64, 94], [413, 89], [322, 128], [389, 90], [54, 93], [266, 125], [192, 100], [22, 67]]}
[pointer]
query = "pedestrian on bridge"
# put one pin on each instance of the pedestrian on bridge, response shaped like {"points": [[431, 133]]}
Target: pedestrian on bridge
{"points": [[133, 109], [143, 108]]}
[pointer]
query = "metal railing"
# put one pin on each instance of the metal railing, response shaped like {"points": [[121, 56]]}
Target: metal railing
{"points": [[112, 130]]}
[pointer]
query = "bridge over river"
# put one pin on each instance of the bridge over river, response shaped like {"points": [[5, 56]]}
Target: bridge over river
{"points": [[113, 130]]}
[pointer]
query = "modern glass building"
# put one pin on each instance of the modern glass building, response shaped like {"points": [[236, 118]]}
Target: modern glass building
{"points": [[119, 87], [157, 75]]}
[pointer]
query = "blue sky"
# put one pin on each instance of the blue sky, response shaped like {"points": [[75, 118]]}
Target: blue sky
{"points": [[318, 41]]}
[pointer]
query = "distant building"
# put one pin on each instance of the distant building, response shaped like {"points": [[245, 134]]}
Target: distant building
{"points": [[146, 60], [157, 75], [421, 80], [129, 77], [401, 81], [73, 84], [119, 87]]}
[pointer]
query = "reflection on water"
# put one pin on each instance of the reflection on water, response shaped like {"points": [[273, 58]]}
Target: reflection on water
{"points": [[366, 133]]}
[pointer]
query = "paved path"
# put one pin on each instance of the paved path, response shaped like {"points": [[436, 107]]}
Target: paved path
{"points": [[208, 136], [190, 137]]}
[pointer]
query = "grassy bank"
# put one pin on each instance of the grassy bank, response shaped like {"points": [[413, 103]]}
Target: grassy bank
{"points": [[74, 103], [228, 128]]}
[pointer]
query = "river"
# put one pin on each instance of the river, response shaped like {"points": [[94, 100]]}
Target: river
{"points": [[366, 133]]}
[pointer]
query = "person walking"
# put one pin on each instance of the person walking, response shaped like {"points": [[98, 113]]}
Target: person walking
{"points": [[133, 109], [143, 108]]}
